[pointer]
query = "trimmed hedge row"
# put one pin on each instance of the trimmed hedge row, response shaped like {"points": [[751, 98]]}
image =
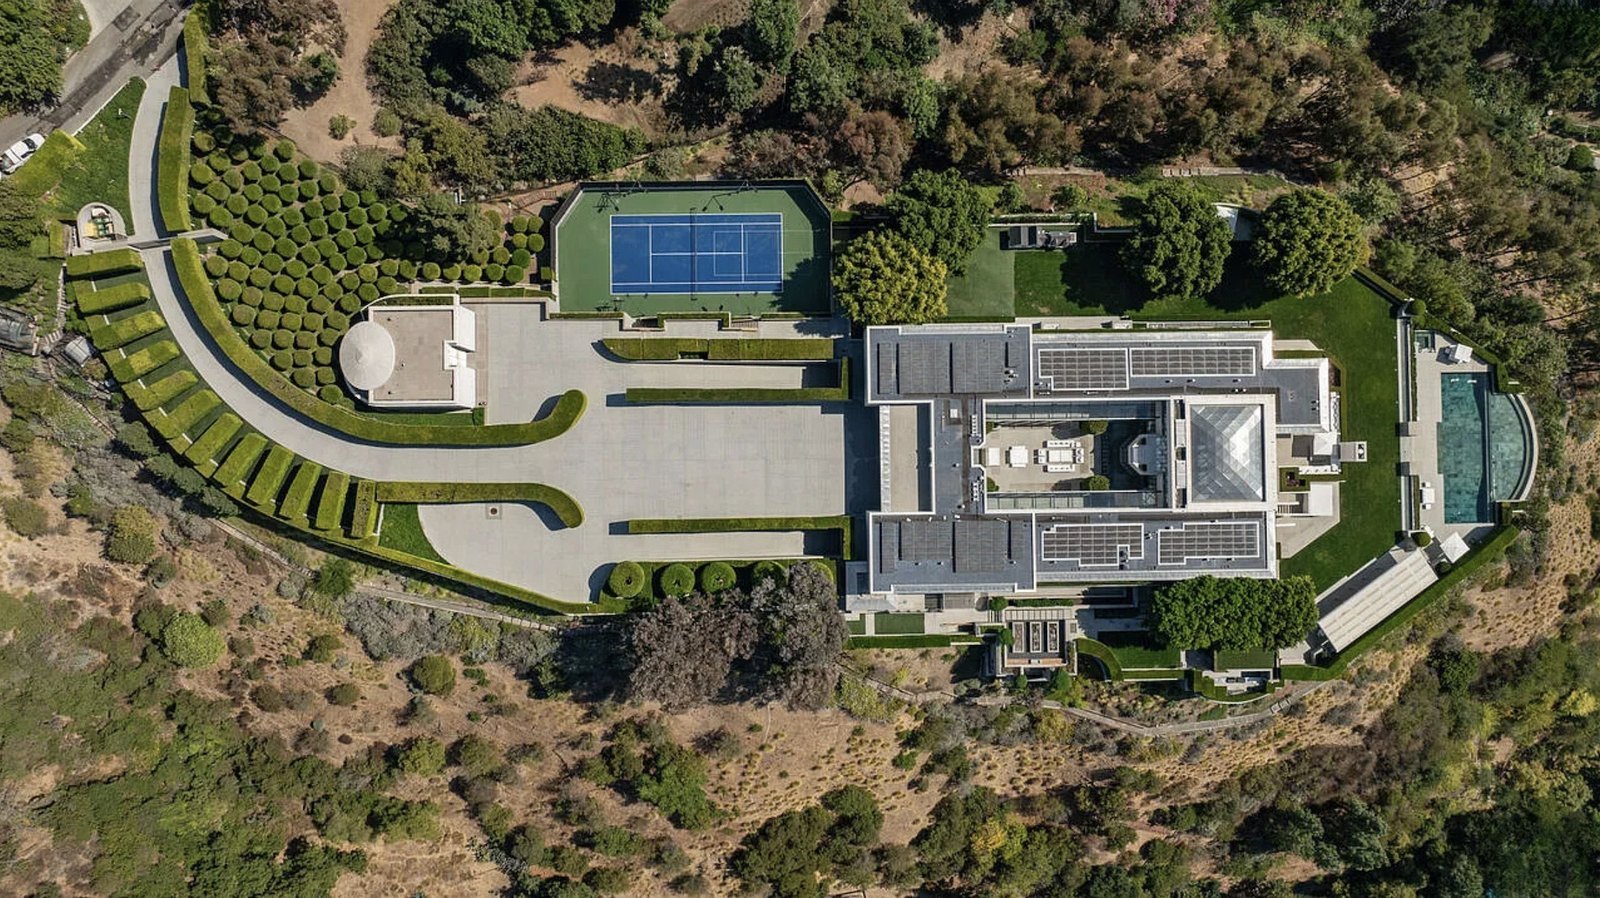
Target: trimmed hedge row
{"points": [[174, 424], [1491, 550], [163, 391], [232, 472], [297, 500], [127, 368], [841, 522], [660, 349], [111, 299], [926, 641], [195, 48], [206, 452], [172, 162], [119, 333], [364, 511], [192, 277], [422, 493], [330, 505], [115, 261], [693, 395], [269, 479]]}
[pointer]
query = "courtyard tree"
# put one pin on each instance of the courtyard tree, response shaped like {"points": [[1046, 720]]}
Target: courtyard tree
{"points": [[1309, 240], [943, 214], [884, 278], [1179, 244], [1234, 613]]}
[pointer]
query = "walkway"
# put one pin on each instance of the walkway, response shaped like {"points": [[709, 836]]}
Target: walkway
{"points": [[619, 461]]}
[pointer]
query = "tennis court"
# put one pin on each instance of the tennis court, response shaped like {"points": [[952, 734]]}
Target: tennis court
{"points": [[755, 248], [705, 253]]}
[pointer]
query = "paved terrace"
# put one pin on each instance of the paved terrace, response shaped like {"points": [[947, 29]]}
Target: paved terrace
{"points": [[619, 461]]}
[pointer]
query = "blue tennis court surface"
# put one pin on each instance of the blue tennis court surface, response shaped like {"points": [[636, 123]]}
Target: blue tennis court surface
{"points": [[695, 253]]}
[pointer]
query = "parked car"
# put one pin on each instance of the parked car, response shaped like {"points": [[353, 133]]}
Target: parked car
{"points": [[19, 152]]}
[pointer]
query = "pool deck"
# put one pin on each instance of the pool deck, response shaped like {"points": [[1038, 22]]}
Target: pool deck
{"points": [[1421, 449]]}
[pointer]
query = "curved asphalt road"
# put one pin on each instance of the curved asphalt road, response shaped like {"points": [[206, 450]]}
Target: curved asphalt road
{"points": [[619, 461]]}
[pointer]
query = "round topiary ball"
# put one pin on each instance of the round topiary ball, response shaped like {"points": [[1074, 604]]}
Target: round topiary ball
{"points": [[305, 339], [330, 394], [284, 149], [677, 580], [261, 339], [514, 275], [203, 205], [626, 580], [430, 271], [302, 358], [282, 339], [268, 317], [304, 378], [283, 360], [769, 570], [243, 315], [717, 576]]}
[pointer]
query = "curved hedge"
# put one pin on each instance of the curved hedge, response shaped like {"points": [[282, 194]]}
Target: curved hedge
{"points": [[192, 278], [172, 161], [422, 493]]}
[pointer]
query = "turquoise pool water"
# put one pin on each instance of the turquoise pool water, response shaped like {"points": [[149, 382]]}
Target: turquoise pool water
{"points": [[1484, 447]]}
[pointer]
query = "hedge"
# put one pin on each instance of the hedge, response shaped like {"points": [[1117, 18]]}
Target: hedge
{"points": [[926, 641], [172, 162], [195, 48], [658, 349], [1491, 550], [364, 512], [841, 522], [269, 479], [691, 395], [232, 473], [206, 452], [423, 493], [298, 497], [330, 505], [114, 334], [174, 424], [126, 368], [115, 261], [163, 391], [626, 580], [191, 275], [111, 299]]}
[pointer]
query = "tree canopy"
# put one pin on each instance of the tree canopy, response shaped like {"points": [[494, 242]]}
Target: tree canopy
{"points": [[1234, 612], [943, 214], [1308, 241], [188, 641], [1179, 244], [35, 37], [884, 278]]}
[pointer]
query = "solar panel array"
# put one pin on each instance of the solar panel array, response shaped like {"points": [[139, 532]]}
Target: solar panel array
{"points": [[925, 540], [1193, 361], [980, 545], [1093, 544], [1218, 539], [923, 367], [979, 365], [1084, 369]]}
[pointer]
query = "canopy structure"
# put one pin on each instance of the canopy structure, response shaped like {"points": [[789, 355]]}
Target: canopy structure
{"points": [[366, 356]]}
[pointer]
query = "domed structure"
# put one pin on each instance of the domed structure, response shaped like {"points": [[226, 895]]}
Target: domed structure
{"points": [[366, 356]]}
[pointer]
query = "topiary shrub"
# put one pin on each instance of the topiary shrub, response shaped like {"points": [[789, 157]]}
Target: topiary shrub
{"points": [[330, 394], [252, 297], [233, 179], [535, 242], [472, 273], [322, 355], [243, 315], [273, 301], [514, 275], [203, 205], [493, 272], [677, 580], [229, 290], [1097, 482], [261, 339], [626, 580], [270, 183], [251, 170], [521, 258], [301, 357], [1422, 538], [311, 321], [500, 255], [283, 360], [304, 378], [305, 339], [284, 149], [221, 218], [217, 266], [273, 204], [430, 271], [769, 570], [282, 338], [325, 376], [717, 576], [267, 318], [296, 269]]}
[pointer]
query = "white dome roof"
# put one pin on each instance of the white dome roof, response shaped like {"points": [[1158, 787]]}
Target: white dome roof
{"points": [[366, 355]]}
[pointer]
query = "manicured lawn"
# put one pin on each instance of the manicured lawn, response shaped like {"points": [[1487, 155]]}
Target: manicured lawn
{"points": [[402, 531], [985, 290], [886, 623], [100, 172]]}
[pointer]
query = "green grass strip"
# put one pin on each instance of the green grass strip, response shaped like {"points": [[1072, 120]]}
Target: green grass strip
{"points": [[163, 391], [126, 368], [204, 453], [269, 479], [115, 261], [99, 302], [422, 493], [192, 276], [1260, 659], [172, 162], [364, 511], [927, 641], [330, 505], [231, 475], [174, 424], [298, 497], [114, 334]]}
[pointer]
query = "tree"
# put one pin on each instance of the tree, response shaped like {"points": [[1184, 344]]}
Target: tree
{"points": [[188, 641], [943, 214], [737, 79], [451, 230], [422, 756], [884, 278], [1179, 244], [434, 675], [1308, 241], [1097, 482], [35, 37], [993, 123], [685, 650], [802, 635], [771, 30], [335, 579], [876, 144], [1234, 612]]}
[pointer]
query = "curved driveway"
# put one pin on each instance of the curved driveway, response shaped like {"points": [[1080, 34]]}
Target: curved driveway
{"points": [[619, 461]]}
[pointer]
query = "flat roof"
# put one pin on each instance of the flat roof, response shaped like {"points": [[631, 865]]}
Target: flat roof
{"points": [[419, 334]]}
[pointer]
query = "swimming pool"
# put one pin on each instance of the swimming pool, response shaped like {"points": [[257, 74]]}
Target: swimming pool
{"points": [[1485, 447]]}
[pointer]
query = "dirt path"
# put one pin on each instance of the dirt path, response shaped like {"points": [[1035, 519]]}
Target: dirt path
{"points": [[308, 126]]}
